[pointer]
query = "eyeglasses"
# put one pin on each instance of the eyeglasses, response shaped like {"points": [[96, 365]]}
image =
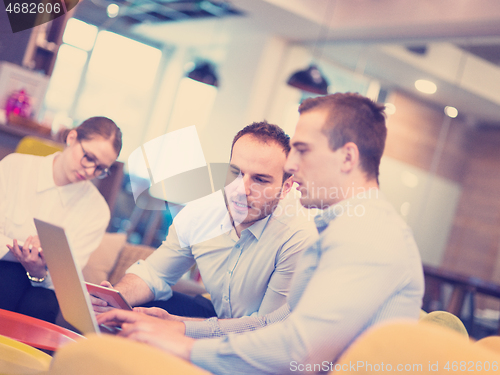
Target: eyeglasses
{"points": [[88, 161]]}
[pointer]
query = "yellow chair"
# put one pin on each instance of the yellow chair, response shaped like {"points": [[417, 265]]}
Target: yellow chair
{"points": [[18, 358], [38, 146], [113, 355], [445, 319], [416, 348]]}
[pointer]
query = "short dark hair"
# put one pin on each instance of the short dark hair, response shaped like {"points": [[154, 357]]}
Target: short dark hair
{"points": [[98, 126], [266, 132], [353, 118]]}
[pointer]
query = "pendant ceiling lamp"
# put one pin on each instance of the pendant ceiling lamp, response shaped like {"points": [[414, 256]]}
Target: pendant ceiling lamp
{"points": [[204, 72], [311, 79]]}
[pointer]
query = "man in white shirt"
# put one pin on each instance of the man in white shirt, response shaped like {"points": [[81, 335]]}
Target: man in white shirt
{"points": [[364, 269], [245, 246]]}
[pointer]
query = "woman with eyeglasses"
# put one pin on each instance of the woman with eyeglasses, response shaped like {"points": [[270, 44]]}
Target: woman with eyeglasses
{"points": [[57, 189]]}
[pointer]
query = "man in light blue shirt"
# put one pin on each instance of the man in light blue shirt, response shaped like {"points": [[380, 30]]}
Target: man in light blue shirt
{"points": [[244, 243], [364, 269]]}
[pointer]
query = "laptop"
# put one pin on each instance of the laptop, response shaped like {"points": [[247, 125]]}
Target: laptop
{"points": [[71, 292]]}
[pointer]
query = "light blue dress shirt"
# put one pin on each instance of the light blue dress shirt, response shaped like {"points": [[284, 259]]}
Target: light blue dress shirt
{"points": [[365, 268], [244, 275]]}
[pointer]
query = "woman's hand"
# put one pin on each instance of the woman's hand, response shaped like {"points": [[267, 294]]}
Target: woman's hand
{"points": [[30, 255]]}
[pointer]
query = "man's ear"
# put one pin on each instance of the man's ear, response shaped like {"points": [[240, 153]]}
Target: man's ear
{"points": [[285, 188], [350, 154]]}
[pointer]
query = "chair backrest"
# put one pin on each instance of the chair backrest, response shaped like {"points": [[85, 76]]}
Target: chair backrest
{"points": [[34, 332], [445, 319], [19, 358], [38, 146], [414, 348], [114, 355]]}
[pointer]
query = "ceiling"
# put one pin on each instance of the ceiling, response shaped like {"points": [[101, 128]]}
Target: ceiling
{"points": [[455, 43], [154, 11]]}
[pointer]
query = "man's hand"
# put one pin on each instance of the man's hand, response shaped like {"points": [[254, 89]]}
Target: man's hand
{"points": [[30, 255], [158, 313], [163, 334], [99, 305]]}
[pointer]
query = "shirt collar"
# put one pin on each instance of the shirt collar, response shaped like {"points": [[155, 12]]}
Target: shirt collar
{"points": [[227, 225], [46, 181], [323, 219], [256, 228]]}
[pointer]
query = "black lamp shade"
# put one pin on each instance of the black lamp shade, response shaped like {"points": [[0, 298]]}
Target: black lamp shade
{"points": [[310, 80], [204, 73]]}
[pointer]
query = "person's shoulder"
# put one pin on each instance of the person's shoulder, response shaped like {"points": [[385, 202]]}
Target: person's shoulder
{"points": [[359, 215], [294, 217], [371, 225], [295, 224], [16, 164], [17, 158], [92, 197], [291, 228], [93, 192], [206, 208], [201, 219]]}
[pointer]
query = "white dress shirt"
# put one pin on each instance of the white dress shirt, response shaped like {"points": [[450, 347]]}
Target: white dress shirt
{"points": [[365, 268], [244, 276], [27, 191]]}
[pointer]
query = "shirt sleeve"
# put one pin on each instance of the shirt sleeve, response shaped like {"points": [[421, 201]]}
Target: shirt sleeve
{"points": [[4, 240], [165, 266], [350, 284], [215, 327], [9, 165], [286, 261]]}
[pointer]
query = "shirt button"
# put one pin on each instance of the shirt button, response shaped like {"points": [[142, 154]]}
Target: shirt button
{"points": [[226, 298], [237, 246]]}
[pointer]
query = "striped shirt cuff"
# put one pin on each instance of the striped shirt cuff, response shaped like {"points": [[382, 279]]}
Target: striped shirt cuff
{"points": [[214, 327]]}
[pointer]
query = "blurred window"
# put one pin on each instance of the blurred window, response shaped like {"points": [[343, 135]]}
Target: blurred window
{"points": [[80, 34], [102, 74]]}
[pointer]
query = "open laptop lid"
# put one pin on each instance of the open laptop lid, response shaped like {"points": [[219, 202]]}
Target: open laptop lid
{"points": [[74, 301]]}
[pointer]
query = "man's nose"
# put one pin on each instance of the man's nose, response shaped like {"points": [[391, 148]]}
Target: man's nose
{"points": [[243, 185], [290, 165]]}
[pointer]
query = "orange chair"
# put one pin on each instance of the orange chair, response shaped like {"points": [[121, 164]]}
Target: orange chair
{"points": [[35, 332]]}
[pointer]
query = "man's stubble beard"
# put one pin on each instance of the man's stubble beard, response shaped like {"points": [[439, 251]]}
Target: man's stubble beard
{"points": [[270, 206]]}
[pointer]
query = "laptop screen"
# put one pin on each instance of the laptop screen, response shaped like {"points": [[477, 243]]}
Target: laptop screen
{"points": [[67, 278]]}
